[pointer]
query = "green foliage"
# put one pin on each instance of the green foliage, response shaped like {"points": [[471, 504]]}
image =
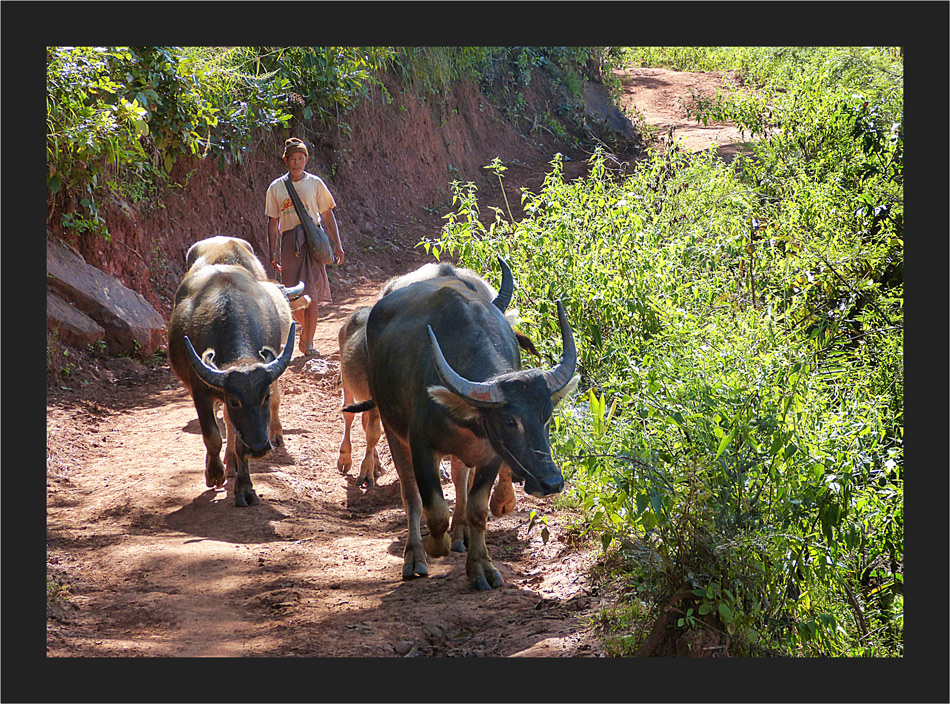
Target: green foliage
{"points": [[328, 81], [740, 337], [117, 118], [504, 73], [431, 71]]}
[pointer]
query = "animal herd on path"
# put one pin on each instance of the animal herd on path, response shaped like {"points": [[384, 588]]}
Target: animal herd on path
{"points": [[435, 362]]}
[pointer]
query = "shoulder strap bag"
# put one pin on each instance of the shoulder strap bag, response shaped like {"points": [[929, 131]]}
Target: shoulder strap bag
{"points": [[317, 241]]}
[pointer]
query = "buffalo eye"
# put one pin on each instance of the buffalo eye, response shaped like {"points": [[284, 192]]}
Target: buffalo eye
{"points": [[510, 423], [234, 403]]}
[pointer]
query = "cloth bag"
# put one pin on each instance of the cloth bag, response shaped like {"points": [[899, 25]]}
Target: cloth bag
{"points": [[317, 240]]}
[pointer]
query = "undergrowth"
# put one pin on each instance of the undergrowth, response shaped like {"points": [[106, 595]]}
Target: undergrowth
{"points": [[740, 332]]}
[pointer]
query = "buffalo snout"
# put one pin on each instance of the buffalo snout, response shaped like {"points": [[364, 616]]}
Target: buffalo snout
{"points": [[539, 483], [543, 487], [259, 451]]}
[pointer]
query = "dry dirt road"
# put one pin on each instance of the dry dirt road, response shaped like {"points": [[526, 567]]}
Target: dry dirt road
{"points": [[155, 564]]}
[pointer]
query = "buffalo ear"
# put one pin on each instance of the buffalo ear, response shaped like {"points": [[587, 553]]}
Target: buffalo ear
{"points": [[268, 353], [569, 389], [460, 409]]}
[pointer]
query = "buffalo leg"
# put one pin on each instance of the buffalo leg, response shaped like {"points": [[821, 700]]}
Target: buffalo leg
{"points": [[414, 557], [425, 466], [462, 478], [214, 469], [238, 467], [345, 460], [230, 449], [244, 494], [370, 467], [503, 495], [478, 566]]}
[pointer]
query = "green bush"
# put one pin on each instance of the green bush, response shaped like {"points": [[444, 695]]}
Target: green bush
{"points": [[740, 331], [117, 118]]}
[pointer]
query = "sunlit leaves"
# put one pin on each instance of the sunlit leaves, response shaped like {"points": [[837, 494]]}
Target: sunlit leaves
{"points": [[740, 340]]}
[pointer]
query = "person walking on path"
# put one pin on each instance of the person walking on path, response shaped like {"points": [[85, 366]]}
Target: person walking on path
{"points": [[286, 237]]}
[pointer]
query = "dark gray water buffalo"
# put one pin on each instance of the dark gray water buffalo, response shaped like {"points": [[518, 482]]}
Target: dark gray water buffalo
{"points": [[353, 359], [353, 373], [444, 372], [224, 344]]}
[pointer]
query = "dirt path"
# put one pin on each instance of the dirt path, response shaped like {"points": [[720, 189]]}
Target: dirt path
{"points": [[156, 564], [661, 97]]}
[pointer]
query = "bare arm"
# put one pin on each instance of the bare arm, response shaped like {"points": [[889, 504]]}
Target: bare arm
{"points": [[272, 235], [329, 221]]}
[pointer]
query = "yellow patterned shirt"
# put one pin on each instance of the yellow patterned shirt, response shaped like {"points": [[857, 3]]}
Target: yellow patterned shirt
{"points": [[313, 193]]}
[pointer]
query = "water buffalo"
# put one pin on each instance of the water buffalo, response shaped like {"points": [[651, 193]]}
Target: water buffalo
{"points": [[444, 372], [224, 344], [353, 370], [239, 252]]}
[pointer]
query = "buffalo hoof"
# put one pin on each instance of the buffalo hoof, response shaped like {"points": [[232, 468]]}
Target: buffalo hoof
{"points": [[215, 481], [458, 545], [278, 441], [247, 497], [214, 471], [366, 482], [419, 569], [488, 581]]}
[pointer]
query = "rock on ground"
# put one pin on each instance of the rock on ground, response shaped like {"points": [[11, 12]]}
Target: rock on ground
{"points": [[81, 298]]}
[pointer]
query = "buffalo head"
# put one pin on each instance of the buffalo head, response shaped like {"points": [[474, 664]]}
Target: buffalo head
{"points": [[513, 410], [246, 389]]}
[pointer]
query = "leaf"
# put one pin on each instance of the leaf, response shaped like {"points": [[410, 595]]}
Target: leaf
{"points": [[642, 501], [724, 443], [726, 613]]}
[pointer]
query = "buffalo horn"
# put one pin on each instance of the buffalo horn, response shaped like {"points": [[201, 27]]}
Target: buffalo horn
{"points": [[295, 291], [212, 376], [559, 377], [215, 377], [276, 367], [507, 287], [478, 393]]}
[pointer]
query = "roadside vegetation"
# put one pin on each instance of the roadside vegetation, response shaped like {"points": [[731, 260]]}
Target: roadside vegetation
{"points": [[738, 445], [119, 118]]}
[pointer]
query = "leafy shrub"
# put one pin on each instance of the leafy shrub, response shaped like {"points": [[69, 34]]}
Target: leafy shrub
{"points": [[119, 117], [740, 335]]}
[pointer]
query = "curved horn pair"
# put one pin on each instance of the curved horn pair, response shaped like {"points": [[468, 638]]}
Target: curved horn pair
{"points": [[489, 394], [214, 377], [507, 287]]}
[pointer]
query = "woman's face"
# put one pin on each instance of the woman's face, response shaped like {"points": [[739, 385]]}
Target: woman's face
{"points": [[296, 163]]}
